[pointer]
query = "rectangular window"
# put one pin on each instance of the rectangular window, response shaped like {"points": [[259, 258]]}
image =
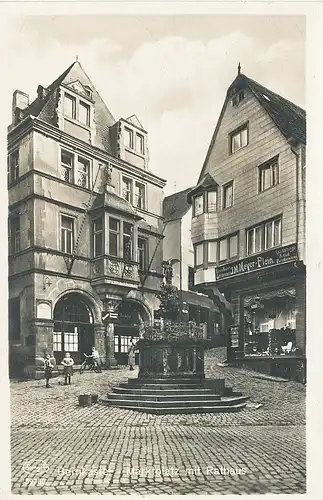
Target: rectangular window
{"points": [[84, 113], [14, 233], [237, 98], [198, 205], [83, 172], [268, 175], [67, 160], [238, 139], [191, 278], [140, 190], [97, 237], [14, 165], [140, 144], [233, 246], [212, 251], [127, 189], [14, 319], [114, 236], [223, 249], [199, 258], [67, 234], [142, 253], [128, 138], [69, 106], [264, 236], [71, 341], [211, 201], [228, 195], [127, 240], [57, 342]]}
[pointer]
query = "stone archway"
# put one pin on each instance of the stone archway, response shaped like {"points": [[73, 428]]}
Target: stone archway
{"points": [[131, 314], [73, 326]]}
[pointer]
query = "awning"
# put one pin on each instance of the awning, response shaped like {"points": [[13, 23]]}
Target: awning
{"points": [[199, 300], [281, 292]]}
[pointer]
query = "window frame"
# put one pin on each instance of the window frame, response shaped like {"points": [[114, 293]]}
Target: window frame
{"points": [[71, 232], [77, 171], [217, 244], [14, 234], [195, 198], [130, 190], [226, 186], [77, 102], [97, 233], [74, 168], [141, 149], [234, 133], [196, 246], [116, 232], [273, 166], [13, 169], [73, 99], [142, 251], [262, 226], [87, 107], [129, 235], [130, 144], [136, 198]]}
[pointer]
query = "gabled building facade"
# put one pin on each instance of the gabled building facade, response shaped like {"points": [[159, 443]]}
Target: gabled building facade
{"points": [[248, 220], [178, 252], [85, 226]]}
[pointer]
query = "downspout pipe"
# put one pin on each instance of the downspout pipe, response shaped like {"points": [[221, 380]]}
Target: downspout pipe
{"points": [[296, 149]]}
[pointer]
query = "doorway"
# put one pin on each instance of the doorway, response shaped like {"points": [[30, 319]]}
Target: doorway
{"points": [[73, 328]]}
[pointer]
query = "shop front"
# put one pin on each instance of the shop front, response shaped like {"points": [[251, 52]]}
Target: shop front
{"points": [[268, 331]]}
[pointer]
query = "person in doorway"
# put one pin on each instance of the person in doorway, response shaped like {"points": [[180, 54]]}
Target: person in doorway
{"points": [[68, 368], [131, 354], [48, 370]]}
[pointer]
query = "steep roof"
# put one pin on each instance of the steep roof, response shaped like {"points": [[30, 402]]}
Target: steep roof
{"points": [[176, 206], [44, 106], [289, 118]]}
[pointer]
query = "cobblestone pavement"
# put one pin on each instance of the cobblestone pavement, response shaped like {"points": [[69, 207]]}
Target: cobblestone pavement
{"points": [[58, 447]]}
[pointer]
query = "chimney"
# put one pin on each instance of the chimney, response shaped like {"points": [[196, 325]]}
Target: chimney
{"points": [[20, 101]]}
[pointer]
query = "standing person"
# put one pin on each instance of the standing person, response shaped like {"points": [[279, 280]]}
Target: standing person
{"points": [[96, 358], [68, 367], [131, 354], [48, 370]]}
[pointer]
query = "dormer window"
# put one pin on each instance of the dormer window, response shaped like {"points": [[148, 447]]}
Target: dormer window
{"points": [[76, 109], [84, 113], [128, 138], [237, 98]]}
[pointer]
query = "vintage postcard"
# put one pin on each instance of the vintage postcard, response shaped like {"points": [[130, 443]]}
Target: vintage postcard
{"points": [[156, 176]]}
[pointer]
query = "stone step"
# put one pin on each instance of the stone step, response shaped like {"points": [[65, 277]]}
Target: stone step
{"points": [[165, 391], [185, 410], [166, 381], [164, 397], [195, 403], [160, 386]]}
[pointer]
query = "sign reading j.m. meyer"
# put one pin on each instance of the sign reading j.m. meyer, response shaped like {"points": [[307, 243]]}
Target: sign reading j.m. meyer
{"points": [[254, 263]]}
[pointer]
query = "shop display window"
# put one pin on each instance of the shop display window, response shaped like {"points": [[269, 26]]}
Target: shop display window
{"points": [[270, 323]]}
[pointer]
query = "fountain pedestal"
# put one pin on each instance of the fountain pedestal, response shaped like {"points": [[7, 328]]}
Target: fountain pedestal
{"points": [[163, 359]]}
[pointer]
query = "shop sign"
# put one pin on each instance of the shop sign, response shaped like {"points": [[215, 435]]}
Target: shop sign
{"points": [[272, 258]]}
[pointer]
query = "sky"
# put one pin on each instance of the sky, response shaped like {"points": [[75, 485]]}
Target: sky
{"points": [[171, 71]]}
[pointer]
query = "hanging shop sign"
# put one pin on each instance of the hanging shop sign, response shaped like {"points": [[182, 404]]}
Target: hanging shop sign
{"points": [[272, 258]]}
